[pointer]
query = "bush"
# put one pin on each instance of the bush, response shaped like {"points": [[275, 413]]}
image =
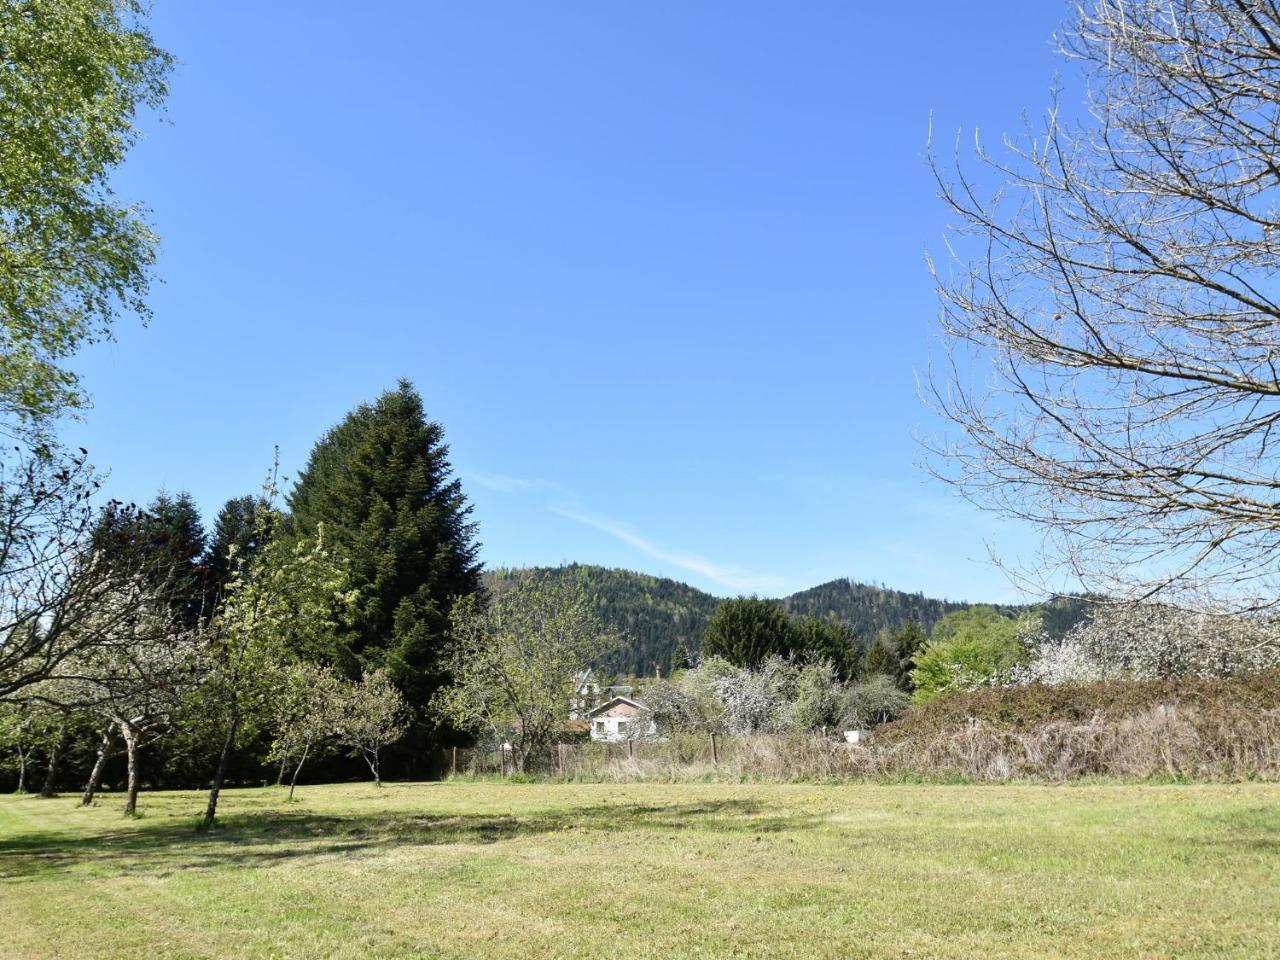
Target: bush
{"points": [[875, 701], [967, 649], [1154, 641]]}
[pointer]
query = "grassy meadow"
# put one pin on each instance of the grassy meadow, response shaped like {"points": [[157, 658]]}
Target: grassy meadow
{"points": [[494, 870]]}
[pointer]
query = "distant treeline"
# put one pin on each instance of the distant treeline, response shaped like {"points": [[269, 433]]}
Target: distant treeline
{"points": [[657, 616]]}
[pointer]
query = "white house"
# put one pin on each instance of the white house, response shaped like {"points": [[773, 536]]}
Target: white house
{"points": [[618, 720]]}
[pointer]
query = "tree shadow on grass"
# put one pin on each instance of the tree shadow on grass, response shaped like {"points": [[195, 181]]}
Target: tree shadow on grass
{"points": [[271, 837]]}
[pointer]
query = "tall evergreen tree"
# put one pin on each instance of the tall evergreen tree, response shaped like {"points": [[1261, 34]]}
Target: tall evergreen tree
{"points": [[235, 528], [381, 484]]}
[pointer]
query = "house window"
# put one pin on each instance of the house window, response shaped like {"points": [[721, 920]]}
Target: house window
{"points": [[599, 726]]}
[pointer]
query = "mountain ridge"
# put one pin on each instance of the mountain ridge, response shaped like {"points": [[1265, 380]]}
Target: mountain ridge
{"points": [[656, 615]]}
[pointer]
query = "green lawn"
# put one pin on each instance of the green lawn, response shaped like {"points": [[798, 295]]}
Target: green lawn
{"points": [[650, 871]]}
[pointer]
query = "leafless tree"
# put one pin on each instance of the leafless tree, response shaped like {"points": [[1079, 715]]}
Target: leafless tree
{"points": [[1113, 313], [61, 581]]}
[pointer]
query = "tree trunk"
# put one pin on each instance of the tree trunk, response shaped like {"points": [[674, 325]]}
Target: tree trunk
{"points": [[371, 758], [131, 751], [228, 745], [55, 757], [22, 769], [298, 769], [280, 773], [95, 776]]}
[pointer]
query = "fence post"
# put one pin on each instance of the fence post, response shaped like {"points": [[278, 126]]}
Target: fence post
{"points": [[631, 749], [453, 767], [715, 754]]}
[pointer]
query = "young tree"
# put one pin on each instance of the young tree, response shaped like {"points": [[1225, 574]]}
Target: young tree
{"points": [[381, 484], [75, 73], [309, 712], [883, 659], [748, 630], [292, 596], [513, 661], [1120, 295], [139, 686], [371, 717], [818, 695]]}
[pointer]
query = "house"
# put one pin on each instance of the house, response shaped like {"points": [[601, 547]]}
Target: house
{"points": [[620, 719]]}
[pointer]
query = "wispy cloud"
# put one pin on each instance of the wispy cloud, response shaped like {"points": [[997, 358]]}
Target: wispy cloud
{"points": [[499, 481], [734, 578]]}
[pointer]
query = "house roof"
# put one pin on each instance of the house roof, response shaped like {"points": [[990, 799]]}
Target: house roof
{"points": [[613, 703]]}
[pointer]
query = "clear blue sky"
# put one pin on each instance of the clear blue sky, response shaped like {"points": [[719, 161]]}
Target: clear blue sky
{"points": [[658, 268]]}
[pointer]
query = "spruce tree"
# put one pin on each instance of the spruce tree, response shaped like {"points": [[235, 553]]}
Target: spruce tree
{"points": [[235, 528], [381, 484]]}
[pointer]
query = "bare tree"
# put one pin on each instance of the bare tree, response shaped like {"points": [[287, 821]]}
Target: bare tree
{"points": [[61, 582], [1113, 313], [139, 686]]}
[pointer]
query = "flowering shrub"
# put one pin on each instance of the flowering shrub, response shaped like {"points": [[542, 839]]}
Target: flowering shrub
{"points": [[1152, 642]]}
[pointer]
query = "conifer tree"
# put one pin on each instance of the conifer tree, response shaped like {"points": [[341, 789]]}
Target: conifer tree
{"points": [[382, 485], [748, 630]]}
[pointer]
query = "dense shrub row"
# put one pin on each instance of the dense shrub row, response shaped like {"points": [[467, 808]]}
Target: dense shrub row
{"points": [[1027, 707]]}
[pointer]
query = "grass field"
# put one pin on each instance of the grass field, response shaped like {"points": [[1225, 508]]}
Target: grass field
{"points": [[483, 870]]}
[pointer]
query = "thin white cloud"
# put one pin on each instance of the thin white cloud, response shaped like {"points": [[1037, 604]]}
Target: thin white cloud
{"points": [[499, 482], [734, 578]]}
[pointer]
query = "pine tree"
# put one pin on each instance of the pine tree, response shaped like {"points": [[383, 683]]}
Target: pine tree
{"points": [[381, 483]]}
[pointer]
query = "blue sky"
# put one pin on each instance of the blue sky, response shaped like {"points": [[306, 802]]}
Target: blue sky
{"points": [[658, 268]]}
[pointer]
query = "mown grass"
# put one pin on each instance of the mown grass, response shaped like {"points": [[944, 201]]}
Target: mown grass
{"points": [[651, 871]]}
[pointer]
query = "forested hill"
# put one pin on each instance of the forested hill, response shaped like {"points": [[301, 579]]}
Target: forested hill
{"points": [[655, 615], [867, 609]]}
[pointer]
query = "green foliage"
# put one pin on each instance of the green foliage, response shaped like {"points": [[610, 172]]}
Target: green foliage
{"points": [[235, 539], [73, 76], [513, 660], [381, 484], [882, 659], [655, 615], [748, 630], [876, 700], [832, 641], [967, 648], [867, 609], [817, 696], [371, 717]]}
